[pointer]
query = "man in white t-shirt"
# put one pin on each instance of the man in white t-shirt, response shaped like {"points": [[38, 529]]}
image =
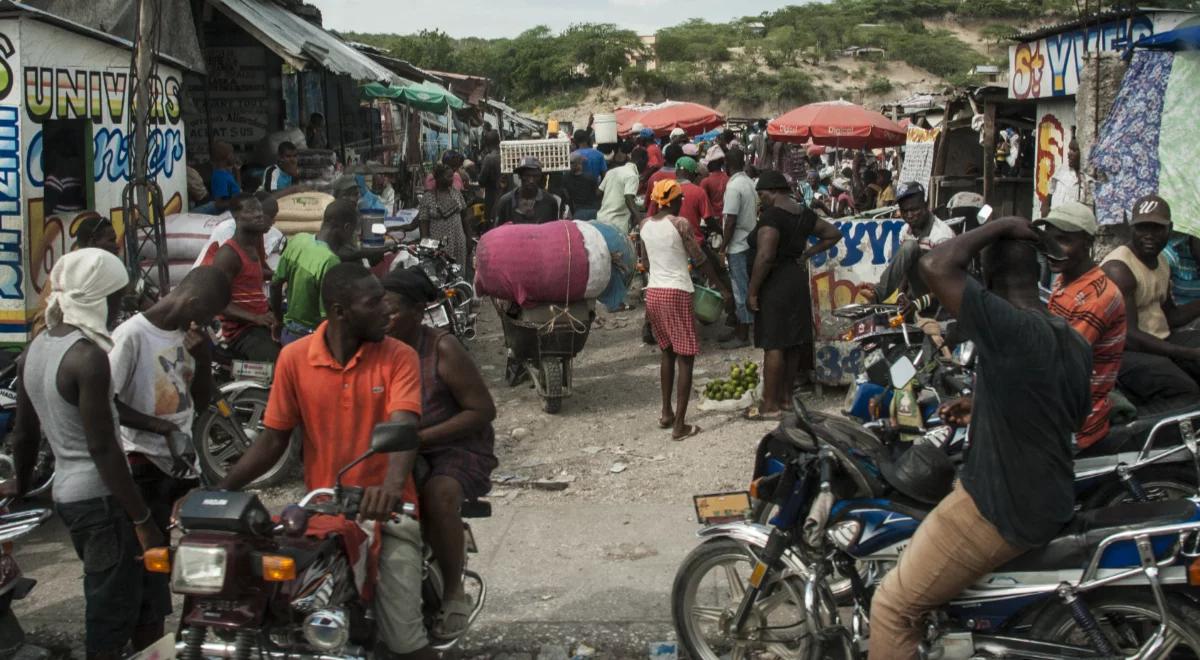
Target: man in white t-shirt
{"points": [[619, 189], [741, 215], [1067, 184], [922, 232], [161, 364]]}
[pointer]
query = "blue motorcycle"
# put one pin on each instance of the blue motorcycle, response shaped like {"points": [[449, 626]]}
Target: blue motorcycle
{"points": [[1117, 582]]}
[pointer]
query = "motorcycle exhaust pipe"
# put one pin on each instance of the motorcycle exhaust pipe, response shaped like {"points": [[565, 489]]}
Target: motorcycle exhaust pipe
{"points": [[218, 649]]}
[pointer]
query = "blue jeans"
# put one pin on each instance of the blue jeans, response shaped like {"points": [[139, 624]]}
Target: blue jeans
{"points": [[291, 332], [739, 278], [585, 214], [118, 593]]}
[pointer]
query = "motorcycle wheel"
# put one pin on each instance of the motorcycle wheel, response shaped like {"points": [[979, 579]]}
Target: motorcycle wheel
{"points": [[219, 447], [1127, 618], [1165, 482], [552, 372], [707, 591]]}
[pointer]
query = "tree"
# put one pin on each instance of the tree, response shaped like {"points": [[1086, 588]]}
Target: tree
{"points": [[603, 49]]}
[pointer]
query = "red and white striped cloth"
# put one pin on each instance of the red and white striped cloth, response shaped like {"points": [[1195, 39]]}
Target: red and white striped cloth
{"points": [[673, 320]]}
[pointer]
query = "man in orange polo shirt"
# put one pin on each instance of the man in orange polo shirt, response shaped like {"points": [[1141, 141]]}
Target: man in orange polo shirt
{"points": [[338, 383]]}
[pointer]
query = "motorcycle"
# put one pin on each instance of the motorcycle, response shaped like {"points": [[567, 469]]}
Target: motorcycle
{"points": [[43, 470], [454, 310], [225, 430], [1116, 581], [286, 590], [13, 585]]}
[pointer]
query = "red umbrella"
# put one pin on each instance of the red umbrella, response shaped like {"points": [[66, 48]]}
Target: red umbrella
{"points": [[664, 117], [836, 124]]}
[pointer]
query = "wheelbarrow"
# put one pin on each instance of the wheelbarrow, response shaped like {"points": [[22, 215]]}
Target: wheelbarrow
{"points": [[544, 340]]}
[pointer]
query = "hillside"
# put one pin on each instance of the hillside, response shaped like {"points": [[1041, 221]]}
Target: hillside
{"points": [[865, 51]]}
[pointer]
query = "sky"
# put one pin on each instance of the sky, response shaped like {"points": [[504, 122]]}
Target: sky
{"points": [[508, 18]]}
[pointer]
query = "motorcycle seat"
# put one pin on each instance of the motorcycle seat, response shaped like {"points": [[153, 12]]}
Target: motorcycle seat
{"points": [[1074, 546], [1132, 436]]}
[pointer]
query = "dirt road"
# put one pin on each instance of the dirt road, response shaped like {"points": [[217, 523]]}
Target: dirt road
{"points": [[589, 566]]}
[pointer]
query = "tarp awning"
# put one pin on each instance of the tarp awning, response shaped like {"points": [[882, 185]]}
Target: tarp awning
{"points": [[298, 42], [1186, 38], [426, 96]]}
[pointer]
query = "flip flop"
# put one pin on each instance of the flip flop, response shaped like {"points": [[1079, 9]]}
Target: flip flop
{"points": [[753, 414], [692, 430], [453, 619], [664, 423]]}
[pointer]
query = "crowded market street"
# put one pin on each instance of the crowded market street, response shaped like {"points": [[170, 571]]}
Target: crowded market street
{"points": [[607, 544]]}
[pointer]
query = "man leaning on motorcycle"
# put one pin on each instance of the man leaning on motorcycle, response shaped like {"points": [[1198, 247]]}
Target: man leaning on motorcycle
{"points": [[1015, 490], [376, 379]]}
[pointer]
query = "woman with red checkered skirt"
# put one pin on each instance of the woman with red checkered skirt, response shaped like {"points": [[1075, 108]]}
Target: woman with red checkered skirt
{"points": [[669, 245]]}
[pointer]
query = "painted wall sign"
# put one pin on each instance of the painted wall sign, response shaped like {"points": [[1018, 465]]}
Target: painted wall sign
{"points": [[1050, 66], [838, 277], [919, 151], [1055, 128], [49, 74], [239, 100]]}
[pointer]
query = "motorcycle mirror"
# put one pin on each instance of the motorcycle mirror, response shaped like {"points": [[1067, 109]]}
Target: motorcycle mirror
{"points": [[392, 437], [902, 372], [985, 213]]}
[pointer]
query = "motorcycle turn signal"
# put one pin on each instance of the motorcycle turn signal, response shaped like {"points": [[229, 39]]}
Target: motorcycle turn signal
{"points": [[277, 568], [157, 560]]}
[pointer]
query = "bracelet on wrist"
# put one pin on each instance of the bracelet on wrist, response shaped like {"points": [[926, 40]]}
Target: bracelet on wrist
{"points": [[145, 519]]}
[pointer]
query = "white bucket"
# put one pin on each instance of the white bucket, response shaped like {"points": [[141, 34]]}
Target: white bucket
{"points": [[605, 127]]}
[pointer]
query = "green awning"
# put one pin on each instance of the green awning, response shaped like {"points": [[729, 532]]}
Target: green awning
{"points": [[425, 96]]}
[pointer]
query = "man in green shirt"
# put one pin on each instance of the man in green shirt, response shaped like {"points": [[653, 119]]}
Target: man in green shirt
{"points": [[302, 268]]}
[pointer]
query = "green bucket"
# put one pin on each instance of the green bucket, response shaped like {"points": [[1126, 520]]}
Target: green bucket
{"points": [[708, 303]]}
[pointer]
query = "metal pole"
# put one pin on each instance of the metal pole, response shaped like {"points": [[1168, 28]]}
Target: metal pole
{"points": [[139, 149]]}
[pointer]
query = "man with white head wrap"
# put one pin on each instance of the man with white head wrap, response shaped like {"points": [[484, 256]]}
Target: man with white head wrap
{"points": [[65, 380]]}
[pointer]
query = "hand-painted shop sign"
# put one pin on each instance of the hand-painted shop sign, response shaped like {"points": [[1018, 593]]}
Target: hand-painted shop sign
{"points": [[1050, 66]]}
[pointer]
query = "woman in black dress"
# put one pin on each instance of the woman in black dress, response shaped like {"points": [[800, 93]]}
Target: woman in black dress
{"points": [[779, 293]]}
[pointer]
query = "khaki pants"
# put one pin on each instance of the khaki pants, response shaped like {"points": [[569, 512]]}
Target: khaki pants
{"points": [[953, 547], [398, 592]]}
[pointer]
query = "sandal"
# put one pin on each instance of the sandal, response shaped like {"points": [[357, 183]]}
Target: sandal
{"points": [[692, 430], [452, 621], [754, 414]]}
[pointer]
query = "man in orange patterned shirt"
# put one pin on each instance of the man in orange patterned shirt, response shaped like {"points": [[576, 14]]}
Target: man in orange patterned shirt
{"points": [[1090, 302]]}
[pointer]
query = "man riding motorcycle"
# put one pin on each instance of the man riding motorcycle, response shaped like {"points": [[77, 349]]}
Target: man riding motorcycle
{"points": [[338, 383], [1032, 393], [922, 232]]}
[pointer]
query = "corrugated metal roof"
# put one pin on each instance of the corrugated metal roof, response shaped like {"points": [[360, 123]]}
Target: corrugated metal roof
{"points": [[300, 43], [117, 26], [1102, 17]]}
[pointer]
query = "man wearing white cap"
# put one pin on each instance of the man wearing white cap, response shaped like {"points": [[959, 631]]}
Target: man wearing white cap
{"points": [[678, 136], [1090, 302]]}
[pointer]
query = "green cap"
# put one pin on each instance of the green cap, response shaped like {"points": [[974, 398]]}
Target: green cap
{"points": [[687, 164], [1071, 217]]}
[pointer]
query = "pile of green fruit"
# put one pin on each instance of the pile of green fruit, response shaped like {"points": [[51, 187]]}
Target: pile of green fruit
{"points": [[742, 378]]}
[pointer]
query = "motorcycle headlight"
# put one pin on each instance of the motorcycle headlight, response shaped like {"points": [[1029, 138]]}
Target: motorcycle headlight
{"points": [[199, 569]]}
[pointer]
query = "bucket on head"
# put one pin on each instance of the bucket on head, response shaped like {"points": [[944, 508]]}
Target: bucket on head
{"points": [[605, 127]]}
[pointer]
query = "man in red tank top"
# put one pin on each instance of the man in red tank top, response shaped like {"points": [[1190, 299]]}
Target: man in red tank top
{"points": [[247, 325]]}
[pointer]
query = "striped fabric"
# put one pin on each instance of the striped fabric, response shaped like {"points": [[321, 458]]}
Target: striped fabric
{"points": [[1094, 307]]}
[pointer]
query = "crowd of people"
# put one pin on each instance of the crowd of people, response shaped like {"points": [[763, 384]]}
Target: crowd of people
{"points": [[116, 401]]}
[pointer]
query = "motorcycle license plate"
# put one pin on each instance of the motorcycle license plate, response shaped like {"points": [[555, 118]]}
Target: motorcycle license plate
{"points": [[258, 371], [436, 316], [722, 507], [163, 649]]}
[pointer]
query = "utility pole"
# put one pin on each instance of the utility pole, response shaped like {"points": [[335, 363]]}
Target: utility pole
{"points": [[142, 199]]}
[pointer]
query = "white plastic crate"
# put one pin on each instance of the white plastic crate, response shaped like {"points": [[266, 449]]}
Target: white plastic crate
{"points": [[555, 155]]}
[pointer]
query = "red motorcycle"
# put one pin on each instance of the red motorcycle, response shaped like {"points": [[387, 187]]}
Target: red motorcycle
{"points": [[284, 590], [14, 585]]}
